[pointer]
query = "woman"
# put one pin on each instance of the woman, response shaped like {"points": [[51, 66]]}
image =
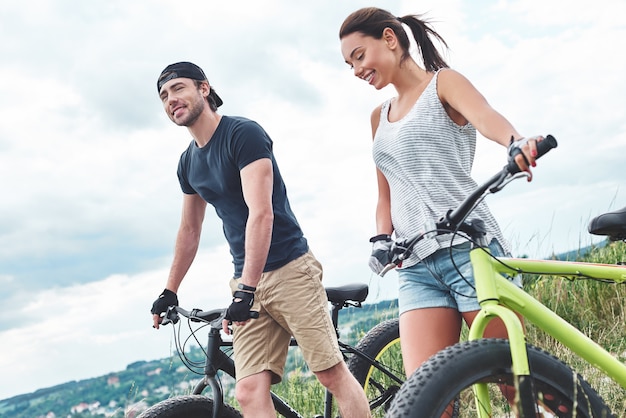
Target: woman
{"points": [[424, 144]]}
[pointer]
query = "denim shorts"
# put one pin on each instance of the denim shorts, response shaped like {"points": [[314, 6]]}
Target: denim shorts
{"points": [[427, 284]]}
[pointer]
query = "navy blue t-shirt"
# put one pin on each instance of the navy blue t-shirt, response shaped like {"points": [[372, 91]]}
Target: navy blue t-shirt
{"points": [[213, 172]]}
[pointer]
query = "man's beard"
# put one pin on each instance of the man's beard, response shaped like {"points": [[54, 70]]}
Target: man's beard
{"points": [[193, 113]]}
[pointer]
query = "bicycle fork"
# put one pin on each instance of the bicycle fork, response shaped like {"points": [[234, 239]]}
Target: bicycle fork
{"points": [[524, 394], [490, 309], [216, 360]]}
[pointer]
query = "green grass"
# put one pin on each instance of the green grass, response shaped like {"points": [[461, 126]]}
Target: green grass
{"points": [[597, 309], [302, 390]]}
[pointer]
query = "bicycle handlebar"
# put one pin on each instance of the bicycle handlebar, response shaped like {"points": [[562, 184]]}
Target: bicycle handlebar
{"points": [[454, 219], [543, 147], [214, 316]]}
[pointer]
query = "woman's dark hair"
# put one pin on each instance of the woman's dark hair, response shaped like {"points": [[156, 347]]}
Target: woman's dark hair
{"points": [[371, 21]]}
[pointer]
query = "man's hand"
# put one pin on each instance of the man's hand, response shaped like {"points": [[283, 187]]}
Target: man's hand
{"points": [[166, 299], [381, 252], [239, 309]]}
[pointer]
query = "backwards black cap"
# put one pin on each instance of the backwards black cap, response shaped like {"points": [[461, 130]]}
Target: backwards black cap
{"points": [[186, 70]]}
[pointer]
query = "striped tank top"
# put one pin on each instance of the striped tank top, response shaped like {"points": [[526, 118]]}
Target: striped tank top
{"points": [[427, 161]]}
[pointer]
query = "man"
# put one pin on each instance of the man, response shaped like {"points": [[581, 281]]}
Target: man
{"points": [[230, 164]]}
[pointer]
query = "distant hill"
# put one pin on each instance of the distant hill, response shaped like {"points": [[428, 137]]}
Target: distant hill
{"points": [[124, 394], [578, 254]]}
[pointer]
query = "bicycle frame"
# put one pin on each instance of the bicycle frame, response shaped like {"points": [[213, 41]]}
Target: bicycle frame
{"points": [[500, 298], [217, 360]]}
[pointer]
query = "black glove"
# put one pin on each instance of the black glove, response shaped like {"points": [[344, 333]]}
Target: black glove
{"points": [[381, 252], [164, 301], [239, 310]]}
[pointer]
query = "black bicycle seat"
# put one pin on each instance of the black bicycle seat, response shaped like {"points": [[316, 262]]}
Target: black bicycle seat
{"points": [[611, 224], [356, 292]]}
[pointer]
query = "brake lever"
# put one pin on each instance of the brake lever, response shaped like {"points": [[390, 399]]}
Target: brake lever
{"points": [[401, 253], [253, 315], [507, 179], [387, 268], [171, 316]]}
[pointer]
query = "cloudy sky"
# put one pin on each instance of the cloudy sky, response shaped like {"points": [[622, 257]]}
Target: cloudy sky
{"points": [[89, 200]]}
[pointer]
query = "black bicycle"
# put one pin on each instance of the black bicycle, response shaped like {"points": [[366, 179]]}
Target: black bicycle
{"points": [[375, 361]]}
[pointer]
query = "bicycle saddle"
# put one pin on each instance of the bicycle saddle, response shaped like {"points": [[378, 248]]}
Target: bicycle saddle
{"points": [[356, 292], [611, 224]]}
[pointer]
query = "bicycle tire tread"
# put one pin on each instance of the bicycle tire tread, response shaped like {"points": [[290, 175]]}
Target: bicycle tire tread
{"points": [[434, 386], [188, 406], [372, 343]]}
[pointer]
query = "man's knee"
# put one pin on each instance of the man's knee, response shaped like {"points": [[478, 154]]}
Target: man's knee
{"points": [[244, 392], [252, 388], [334, 376]]}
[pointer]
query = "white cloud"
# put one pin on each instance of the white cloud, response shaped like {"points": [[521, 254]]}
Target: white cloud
{"points": [[72, 331]]}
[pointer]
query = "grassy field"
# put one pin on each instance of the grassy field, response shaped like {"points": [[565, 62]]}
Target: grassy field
{"points": [[597, 309]]}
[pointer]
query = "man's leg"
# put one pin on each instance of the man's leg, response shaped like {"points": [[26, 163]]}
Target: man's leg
{"points": [[300, 304], [253, 394], [346, 390], [260, 350]]}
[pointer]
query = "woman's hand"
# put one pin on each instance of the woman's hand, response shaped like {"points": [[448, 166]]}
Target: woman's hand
{"points": [[524, 152]]}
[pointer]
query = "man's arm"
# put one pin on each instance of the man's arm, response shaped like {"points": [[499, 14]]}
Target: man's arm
{"points": [[257, 183], [187, 241], [257, 180]]}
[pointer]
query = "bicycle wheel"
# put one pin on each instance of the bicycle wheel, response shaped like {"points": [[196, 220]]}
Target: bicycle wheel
{"points": [[188, 406], [381, 343], [449, 375]]}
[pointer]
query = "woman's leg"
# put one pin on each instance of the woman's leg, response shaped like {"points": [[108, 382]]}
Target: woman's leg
{"points": [[423, 332]]}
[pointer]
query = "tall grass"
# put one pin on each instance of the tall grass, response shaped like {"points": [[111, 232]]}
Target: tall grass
{"points": [[597, 309], [303, 391]]}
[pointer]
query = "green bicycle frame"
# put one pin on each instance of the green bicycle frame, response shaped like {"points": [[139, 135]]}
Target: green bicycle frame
{"points": [[498, 297]]}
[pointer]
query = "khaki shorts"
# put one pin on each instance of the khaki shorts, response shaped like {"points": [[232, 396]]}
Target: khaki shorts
{"points": [[291, 301]]}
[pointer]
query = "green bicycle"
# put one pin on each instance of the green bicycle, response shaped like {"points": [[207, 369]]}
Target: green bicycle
{"points": [[496, 377]]}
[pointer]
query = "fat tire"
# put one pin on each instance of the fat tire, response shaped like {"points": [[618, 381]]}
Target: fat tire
{"points": [[442, 378], [383, 339], [188, 406]]}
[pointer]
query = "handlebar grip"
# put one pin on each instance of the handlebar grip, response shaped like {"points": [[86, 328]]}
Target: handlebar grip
{"points": [[254, 314], [543, 147]]}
